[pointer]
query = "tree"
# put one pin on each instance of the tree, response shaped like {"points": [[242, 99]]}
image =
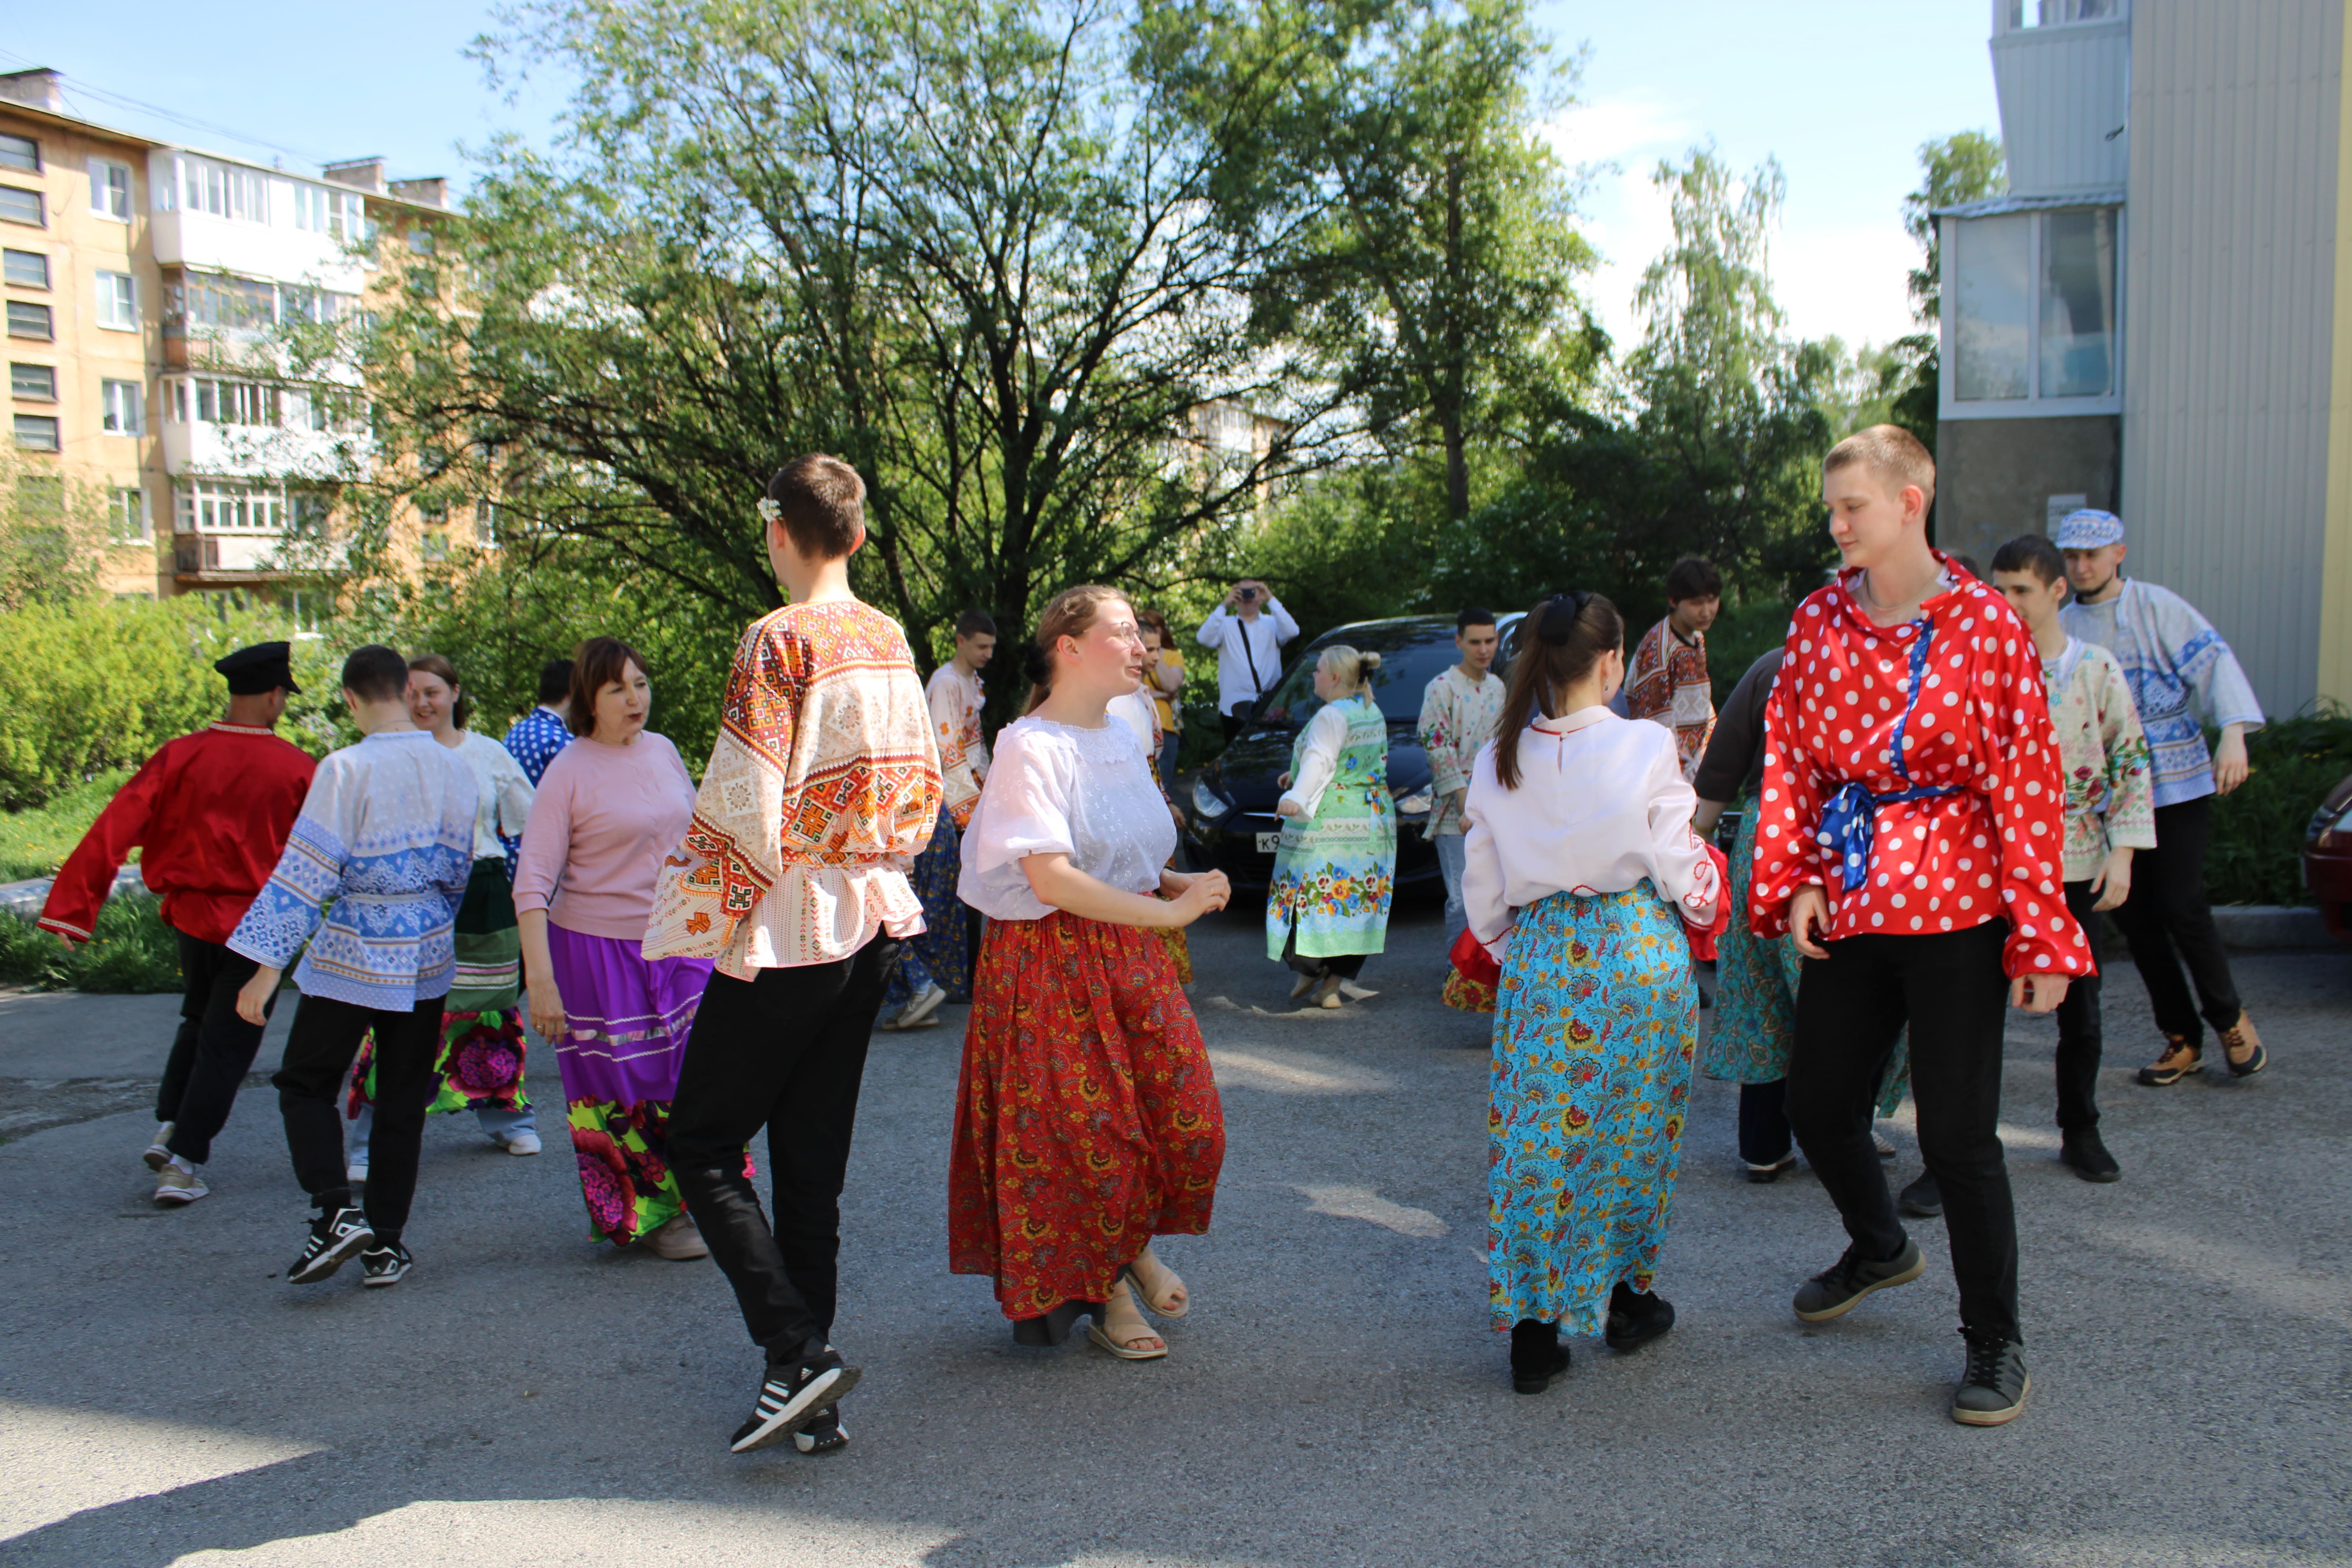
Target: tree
{"points": [[1966, 167], [54, 535]]}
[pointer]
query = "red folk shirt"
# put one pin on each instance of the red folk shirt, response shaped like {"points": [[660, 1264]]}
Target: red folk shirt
{"points": [[211, 811], [1961, 686]]}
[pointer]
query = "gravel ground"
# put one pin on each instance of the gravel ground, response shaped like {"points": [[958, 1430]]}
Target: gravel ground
{"points": [[1335, 1397]]}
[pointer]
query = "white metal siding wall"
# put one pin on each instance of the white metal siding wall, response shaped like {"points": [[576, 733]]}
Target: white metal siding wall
{"points": [[2061, 92], [2229, 304]]}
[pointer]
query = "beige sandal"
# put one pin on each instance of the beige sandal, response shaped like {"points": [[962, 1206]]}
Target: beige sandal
{"points": [[1122, 1328], [1157, 1284]]}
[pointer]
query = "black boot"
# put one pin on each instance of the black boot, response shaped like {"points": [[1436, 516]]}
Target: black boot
{"points": [[1536, 1355], [2081, 1151], [1635, 1318]]}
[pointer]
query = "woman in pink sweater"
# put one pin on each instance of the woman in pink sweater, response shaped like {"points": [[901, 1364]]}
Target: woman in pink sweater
{"points": [[609, 809]]}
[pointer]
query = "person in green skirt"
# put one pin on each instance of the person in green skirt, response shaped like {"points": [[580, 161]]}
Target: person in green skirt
{"points": [[1335, 870]]}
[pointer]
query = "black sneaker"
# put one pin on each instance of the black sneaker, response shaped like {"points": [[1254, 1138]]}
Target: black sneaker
{"points": [[2083, 1153], [1992, 1390], [1536, 1355], [824, 1434], [1773, 1172], [1835, 1291], [1635, 1318], [1922, 1199], [386, 1265], [334, 1239], [791, 1396]]}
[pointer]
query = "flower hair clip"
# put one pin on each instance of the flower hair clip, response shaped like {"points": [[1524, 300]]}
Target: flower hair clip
{"points": [[769, 511]]}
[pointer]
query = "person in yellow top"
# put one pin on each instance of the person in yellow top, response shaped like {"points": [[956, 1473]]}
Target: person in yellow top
{"points": [[1163, 678]]}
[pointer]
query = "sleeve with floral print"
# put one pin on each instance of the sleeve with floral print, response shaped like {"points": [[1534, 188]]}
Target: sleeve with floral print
{"points": [[1789, 800], [2020, 779], [2131, 788]]}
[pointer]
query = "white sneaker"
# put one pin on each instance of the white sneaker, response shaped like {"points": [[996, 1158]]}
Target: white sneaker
{"points": [[676, 1239], [1878, 1142], [180, 1188], [919, 1011], [157, 1156], [524, 1144]]}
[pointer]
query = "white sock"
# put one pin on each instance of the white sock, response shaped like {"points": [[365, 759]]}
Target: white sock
{"points": [[177, 1164]]}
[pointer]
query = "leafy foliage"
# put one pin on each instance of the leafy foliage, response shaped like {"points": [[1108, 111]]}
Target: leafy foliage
{"points": [[2255, 854], [131, 950]]}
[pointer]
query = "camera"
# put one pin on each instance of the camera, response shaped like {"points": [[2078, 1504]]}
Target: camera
{"points": [[1249, 595]]}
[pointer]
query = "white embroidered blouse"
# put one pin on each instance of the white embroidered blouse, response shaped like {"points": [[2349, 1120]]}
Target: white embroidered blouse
{"points": [[502, 793], [1601, 804], [1056, 788]]}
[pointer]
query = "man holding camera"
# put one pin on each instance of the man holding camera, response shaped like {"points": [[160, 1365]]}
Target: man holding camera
{"points": [[1247, 631]]}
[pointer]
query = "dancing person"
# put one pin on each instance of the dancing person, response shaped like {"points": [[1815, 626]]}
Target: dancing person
{"points": [[482, 1057], [1910, 756], [823, 784], [1141, 715], [610, 806], [1581, 873], [2110, 814], [1458, 711], [1163, 679], [210, 814], [1755, 979], [535, 739], [2178, 667], [1335, 864], [1667, 682], [376, 866], [1247, 631], [1087, 1114], [935, 966]]}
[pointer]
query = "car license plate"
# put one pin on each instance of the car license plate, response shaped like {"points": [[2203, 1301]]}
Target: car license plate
{"points": [[1269, 843]]}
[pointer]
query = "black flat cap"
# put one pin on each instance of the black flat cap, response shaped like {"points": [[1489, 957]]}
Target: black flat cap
{"points": [[264, 666]]}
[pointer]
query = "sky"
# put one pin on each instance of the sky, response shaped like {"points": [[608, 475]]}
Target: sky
{"points": [[1841, 92]]}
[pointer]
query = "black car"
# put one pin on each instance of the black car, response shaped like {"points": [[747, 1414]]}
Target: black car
{"points": [[1231, 813]]}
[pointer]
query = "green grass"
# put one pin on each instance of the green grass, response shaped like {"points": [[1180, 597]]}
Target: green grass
{"points": [[132, 952], [35, 843]]}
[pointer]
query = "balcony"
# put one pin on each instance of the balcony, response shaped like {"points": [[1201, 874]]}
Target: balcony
{"points": [[2062, 71], [264, 452]]}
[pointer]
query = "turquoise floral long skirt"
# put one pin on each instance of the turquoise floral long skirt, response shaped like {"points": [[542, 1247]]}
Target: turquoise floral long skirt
{"points": [[1596, 1025]]}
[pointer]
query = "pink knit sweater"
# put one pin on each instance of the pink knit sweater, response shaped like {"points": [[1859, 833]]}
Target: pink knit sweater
{"points": [[603, 821]]}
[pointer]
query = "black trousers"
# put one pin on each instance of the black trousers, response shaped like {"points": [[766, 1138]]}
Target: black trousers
{"points": [[213, 1051], [784, 1050], [1764, 1123], [2167, 923], [326, 1035], [1950, 987], [2078, 1023], [1346, 966]]}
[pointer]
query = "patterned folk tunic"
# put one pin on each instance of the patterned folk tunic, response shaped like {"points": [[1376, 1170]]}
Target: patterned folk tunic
{"points": [[954, 701], [1457, 719], [1666, 682], [2110, 797], [1335, 870]]}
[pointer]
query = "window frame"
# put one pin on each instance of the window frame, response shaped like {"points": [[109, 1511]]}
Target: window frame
{"points": [[127, 514], [9, 280], [40, 199], [110, 298], [38, 165], [48, 317], [19, 393], [103, 191], [56, 432], [2034, 404], [112, 400]]}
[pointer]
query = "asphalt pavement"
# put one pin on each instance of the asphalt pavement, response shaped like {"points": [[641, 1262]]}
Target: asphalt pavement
{"points": [[1336, 1396]]}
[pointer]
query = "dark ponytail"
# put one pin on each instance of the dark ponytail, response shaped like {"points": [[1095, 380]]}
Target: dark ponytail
{"points": [[1560, 642]]}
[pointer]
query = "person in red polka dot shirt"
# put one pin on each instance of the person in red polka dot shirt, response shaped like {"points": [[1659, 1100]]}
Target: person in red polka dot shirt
{"points": [[1910, 836]]}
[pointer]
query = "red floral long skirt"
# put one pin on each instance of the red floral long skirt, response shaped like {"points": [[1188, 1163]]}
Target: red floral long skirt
{"points": [[1086, 1119]]}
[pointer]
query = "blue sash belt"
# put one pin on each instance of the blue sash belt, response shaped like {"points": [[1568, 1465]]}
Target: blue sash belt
{"points": [[1850, 817]]}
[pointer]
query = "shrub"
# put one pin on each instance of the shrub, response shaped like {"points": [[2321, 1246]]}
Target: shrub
{"points": [[131, 950], [2256, 854]]}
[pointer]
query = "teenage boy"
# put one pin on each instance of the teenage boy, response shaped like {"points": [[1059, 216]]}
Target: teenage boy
{"points": [[936, 967], [2179, 666], [2110, 816], [538, 735], [386, 838], [1458, 710], [212, 810], [822, 785], [1665, 680], [1247, 631], [1909, 844]]}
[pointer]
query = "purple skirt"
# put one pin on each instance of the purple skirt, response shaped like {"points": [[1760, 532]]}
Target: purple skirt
{"points": [[626, 1018]]}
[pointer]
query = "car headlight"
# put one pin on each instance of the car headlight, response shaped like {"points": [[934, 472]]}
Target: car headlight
{"points": [[1415, 803], [1207, 802]]}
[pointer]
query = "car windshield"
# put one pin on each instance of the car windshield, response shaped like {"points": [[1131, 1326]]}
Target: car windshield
{"points": [[1411, 658]]}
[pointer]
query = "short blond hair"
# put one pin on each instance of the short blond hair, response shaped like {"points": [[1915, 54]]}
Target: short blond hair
{"points": [[1894, 456]]}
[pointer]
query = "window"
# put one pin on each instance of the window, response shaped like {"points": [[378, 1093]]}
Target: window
{"points": [[25, 268], [218, 300], [26, 320], [226, 506], [486, 525], [20, 153], [37, 433], [306, 514], [22, 207], [433, 544], [235, 402], [125, 405], [339, 214], [224, 190], [109, 188], [328, 408], [118, 301], [2024, 13], [2031, 307], [34, 382], [126, 511], [420, 241]]}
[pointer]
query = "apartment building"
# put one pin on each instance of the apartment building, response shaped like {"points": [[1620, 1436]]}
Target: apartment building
{"points": [[2156, 317], [148, 289]]}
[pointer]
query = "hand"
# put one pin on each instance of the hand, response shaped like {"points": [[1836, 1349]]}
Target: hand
{"points": [[2115, 876], [1177, 812], [256, 992], [1809, 912], [1705, 820], [546, 1009], [1204, 891], [1451, 805], [1290, 808], [2037, 993], [1282, 782], [2229, 765]]}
